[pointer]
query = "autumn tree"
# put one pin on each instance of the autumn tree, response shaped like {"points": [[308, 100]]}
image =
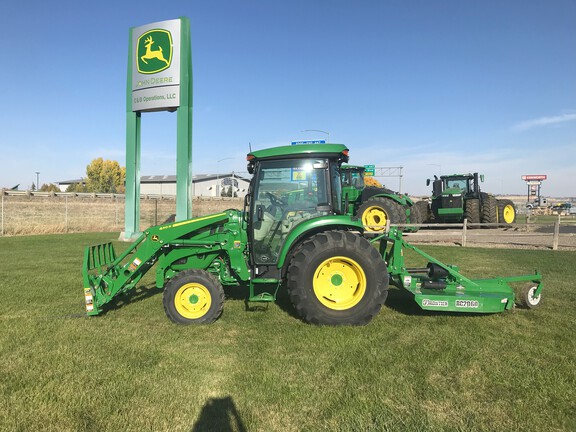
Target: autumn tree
{"points": [[49, 188], [105, 176]]}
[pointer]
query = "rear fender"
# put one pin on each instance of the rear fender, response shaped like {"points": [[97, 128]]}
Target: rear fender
{"points": [[313, 226]]}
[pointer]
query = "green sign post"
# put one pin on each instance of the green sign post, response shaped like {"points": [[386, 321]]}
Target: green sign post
{"points": [[159, 79]]}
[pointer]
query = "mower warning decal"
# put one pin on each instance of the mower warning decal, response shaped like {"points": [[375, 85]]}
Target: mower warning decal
{"points": [[134, 265]]}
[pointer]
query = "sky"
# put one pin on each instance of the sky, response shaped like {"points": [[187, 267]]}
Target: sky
{"points": [[436, 87]]}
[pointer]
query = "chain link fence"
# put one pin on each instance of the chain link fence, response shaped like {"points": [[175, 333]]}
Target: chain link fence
{"points": [[24, 213]]}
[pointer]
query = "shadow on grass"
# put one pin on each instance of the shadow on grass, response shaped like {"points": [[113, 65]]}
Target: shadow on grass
{"points": [[219, 414], [282, 300], [138, 294]]}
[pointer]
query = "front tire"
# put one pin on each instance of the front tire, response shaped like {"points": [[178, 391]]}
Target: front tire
{"points": [[337, 278], [489, 209], [472, 211], [193, 297]]}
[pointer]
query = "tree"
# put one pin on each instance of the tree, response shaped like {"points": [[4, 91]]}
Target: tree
{"points": [[105, 176], [77, 187], [49, 188]]}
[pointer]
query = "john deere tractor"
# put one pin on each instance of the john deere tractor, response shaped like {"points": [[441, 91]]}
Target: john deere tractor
{"points": [[375, 206], [292, 233], [457, 197]]}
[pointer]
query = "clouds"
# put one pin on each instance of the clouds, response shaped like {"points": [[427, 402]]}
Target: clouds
{"points": [[544, 121]]}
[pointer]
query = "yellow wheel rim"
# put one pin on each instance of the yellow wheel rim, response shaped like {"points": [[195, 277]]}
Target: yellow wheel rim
{"points": [[193, 300], [508, 214], [374, 218], [339, 283]]}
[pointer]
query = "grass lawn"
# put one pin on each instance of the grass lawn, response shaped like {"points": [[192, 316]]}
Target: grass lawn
{"points": [[131, 369]]}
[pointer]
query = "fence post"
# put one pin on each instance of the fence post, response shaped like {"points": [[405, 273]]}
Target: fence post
{"points": [[66, 213], [556, 235], [155, 211], [2, 233], [464, 230]]}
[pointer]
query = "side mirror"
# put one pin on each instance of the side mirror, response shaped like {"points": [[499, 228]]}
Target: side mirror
{"points": [[427, 182]]}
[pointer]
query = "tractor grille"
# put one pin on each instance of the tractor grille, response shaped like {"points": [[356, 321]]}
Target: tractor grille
{"points": [[452, 201]]}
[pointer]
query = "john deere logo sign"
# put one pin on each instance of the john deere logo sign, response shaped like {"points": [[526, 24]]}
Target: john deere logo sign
{"points": [[156, 62], [154, 52]]}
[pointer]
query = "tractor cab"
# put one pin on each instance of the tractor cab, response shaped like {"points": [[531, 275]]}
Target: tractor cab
{"points": [[352, 183], [467, 185], [291, 185]]}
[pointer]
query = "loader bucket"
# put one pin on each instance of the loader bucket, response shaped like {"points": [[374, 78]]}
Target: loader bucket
{"points": [[98, 261]]}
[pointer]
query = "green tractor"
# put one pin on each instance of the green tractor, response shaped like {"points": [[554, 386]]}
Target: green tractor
{"points": [[457, 197], [376, 206], [292, 233], [292, 230]]}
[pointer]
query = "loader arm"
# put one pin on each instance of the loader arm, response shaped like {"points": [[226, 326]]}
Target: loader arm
{"points": [[216, 243]]}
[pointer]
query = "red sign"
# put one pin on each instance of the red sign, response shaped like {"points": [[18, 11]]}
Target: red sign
{"points": [[534, 177]]}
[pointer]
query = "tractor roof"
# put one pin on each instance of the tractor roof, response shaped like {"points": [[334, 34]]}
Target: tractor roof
{"points": [[303, 150], [353, 167]]}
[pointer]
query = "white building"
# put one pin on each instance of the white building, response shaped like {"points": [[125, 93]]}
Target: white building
{"points": [[202, 185]]}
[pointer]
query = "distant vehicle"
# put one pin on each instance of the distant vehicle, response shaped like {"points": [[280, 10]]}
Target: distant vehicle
{"points": [[561, 207], [457, 197]]}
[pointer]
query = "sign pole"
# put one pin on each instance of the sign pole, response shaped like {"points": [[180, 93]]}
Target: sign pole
{"points": [[133, 122], [184, 129]]}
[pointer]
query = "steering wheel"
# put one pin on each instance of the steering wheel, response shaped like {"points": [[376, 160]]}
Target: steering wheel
{"points": [[276, 202]]}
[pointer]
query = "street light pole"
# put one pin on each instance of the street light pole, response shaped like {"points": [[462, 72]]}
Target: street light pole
{"points": [[317, 130]]}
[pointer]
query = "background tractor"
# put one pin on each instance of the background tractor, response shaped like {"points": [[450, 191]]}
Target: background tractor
{"points": [[457, 197], [377, 205]]}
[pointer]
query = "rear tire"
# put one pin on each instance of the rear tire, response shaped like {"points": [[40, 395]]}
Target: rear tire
{"points": [[337, 278], [375, 212], [424, 210], [506, 212], [193, 297]]}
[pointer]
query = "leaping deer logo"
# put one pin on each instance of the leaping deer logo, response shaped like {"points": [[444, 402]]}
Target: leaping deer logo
{"points": [[152, 54]]}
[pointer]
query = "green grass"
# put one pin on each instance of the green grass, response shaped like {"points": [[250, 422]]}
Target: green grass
{"points": [[131, 369]]}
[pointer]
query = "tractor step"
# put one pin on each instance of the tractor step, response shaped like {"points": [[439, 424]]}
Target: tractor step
{"points": [[263, 296]]}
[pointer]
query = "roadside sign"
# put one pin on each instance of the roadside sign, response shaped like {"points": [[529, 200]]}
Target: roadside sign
{"points": [[535, 177], [369, 170]]}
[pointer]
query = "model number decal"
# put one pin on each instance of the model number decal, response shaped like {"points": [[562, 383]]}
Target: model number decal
{"points": [[467, 304]]}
